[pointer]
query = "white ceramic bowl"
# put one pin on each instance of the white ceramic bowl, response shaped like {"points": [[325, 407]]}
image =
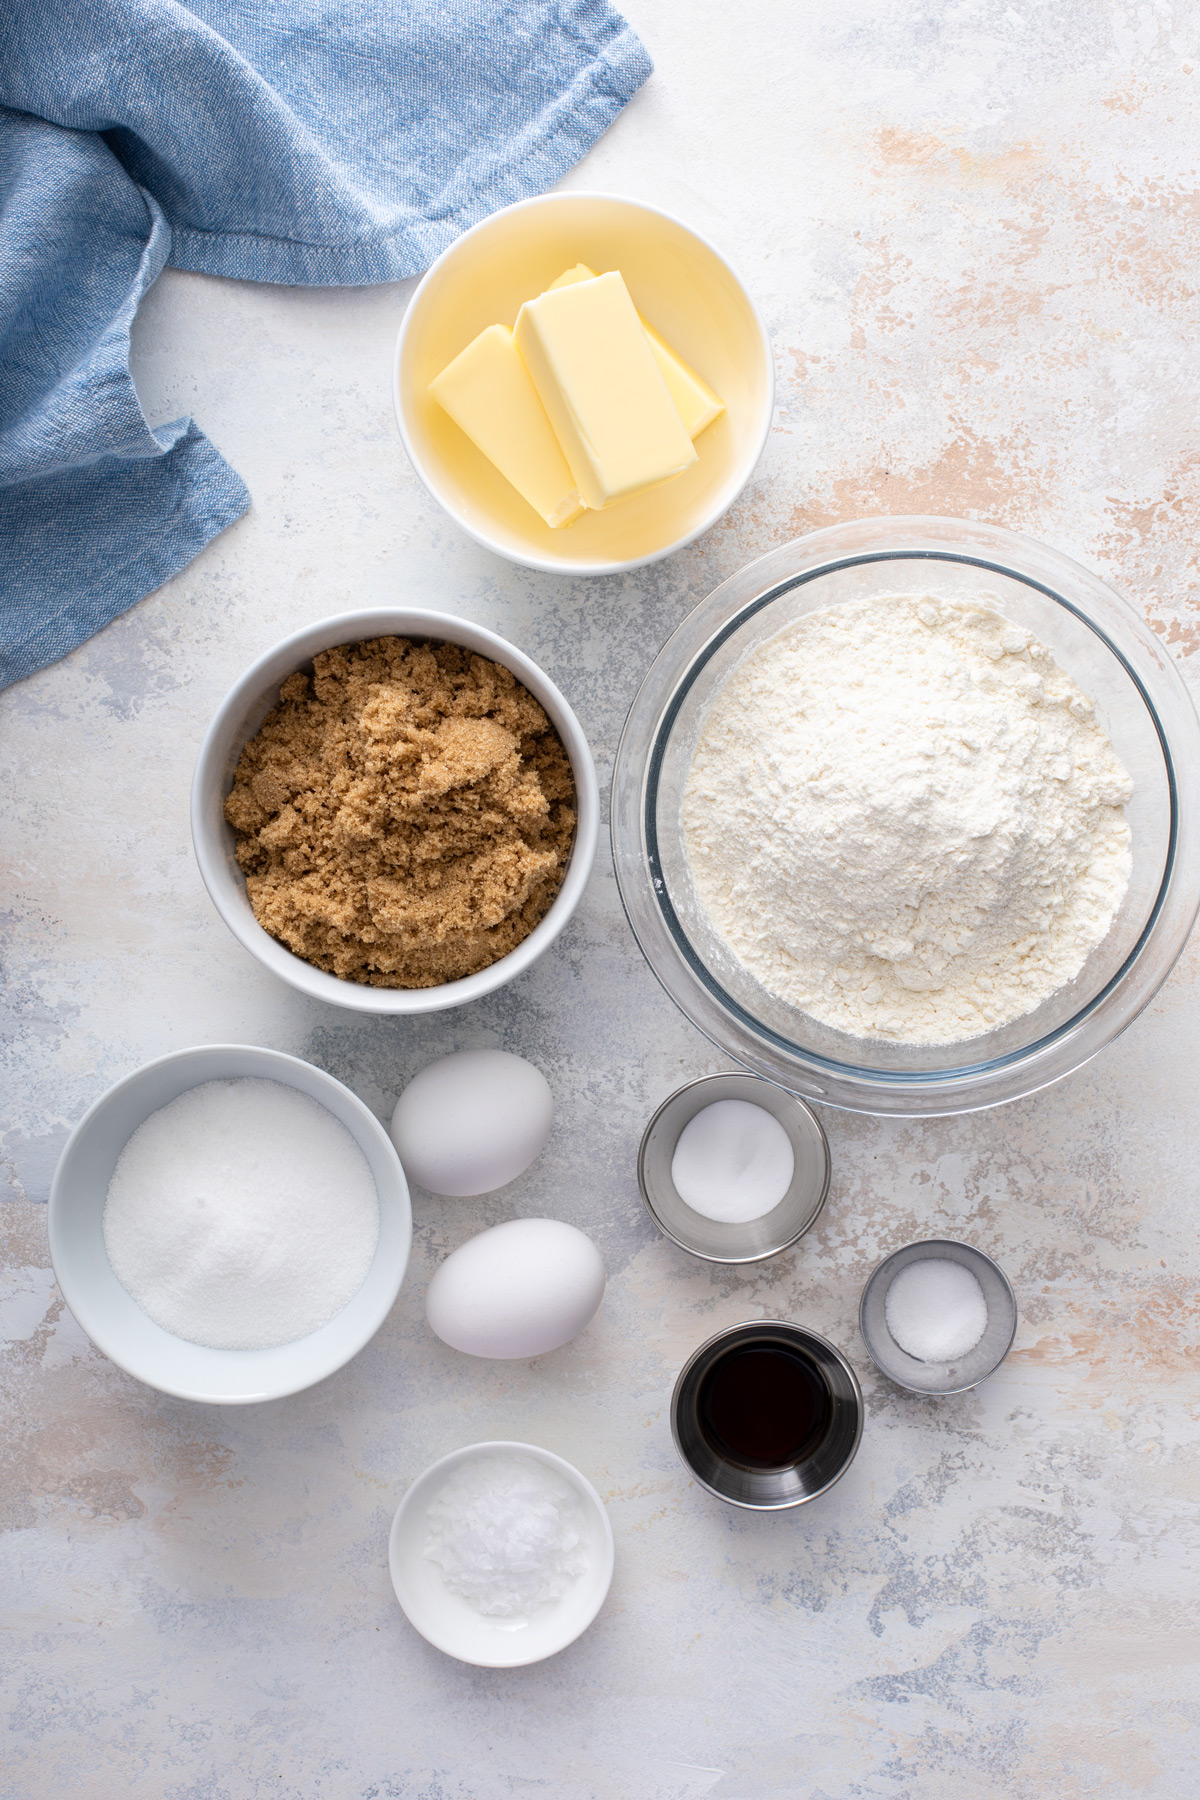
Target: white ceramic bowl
{"points": [[239, 717], [111, 1317], [680, 284], [448, 1621]]}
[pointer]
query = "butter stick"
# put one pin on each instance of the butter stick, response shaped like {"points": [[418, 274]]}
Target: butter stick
{"points": [[604, 393], [488, 393], [698, 404]]}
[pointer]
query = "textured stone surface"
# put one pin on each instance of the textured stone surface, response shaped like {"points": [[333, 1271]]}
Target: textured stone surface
{"points": [[973, 230]]}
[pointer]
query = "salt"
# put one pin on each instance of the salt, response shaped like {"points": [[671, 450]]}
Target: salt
{"points": [[508, 1535], [242, 1215], [733, 1162], [935, 1310]]}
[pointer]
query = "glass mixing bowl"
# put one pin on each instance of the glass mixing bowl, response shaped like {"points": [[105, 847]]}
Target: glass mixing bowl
{"points": [[1141, 701]]}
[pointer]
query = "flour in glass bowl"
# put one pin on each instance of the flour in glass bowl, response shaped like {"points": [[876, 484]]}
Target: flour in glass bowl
{"points": [[902, 817]]}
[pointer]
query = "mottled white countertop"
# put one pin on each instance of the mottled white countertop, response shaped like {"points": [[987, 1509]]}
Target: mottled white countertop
{"points": [[973, 231]]}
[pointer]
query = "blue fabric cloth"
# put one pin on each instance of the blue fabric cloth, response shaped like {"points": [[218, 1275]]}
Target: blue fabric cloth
{"points": [[318, 142]]}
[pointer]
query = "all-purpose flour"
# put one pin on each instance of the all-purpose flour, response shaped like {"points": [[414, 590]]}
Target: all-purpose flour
{"points": [[902, 817]]}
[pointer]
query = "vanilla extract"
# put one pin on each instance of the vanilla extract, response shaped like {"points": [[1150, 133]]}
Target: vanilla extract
{"points": [[764, 1406]]}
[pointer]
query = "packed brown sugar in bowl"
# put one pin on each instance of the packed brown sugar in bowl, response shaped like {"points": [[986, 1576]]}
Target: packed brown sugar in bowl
{"points": [[404, 815]]}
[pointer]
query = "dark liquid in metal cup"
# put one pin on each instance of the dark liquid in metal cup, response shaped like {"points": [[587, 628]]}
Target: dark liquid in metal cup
{"points": [[764, 1407]]}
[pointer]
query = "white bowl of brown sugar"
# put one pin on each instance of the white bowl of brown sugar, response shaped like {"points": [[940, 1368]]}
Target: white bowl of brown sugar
{"points": [[395, 811]]}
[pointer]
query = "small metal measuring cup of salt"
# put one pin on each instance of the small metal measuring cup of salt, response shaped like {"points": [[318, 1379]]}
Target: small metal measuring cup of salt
{"points": [[740, 1240], [938, 1371]]}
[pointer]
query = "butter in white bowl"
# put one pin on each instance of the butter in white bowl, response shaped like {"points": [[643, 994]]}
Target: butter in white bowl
{"points": [[683, 289], [697, 404], [602, 388], [583, 403], [488, 392]]}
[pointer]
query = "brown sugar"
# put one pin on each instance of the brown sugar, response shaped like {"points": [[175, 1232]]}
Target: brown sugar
{"points": [[404, 815]]}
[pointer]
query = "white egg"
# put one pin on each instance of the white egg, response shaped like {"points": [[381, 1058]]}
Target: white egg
{"points": [[519, 1289], [472, 1121]]}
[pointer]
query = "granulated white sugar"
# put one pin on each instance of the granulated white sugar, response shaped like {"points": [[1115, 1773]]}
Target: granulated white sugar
{"points": [[242, 1215], [935, 1310], [508, 1535]]}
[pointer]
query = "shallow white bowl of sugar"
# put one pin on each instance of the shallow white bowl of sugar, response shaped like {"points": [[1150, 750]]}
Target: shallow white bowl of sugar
{"points": [[238, 718], [109, 1314], [1141, 704], [448, 1620]]}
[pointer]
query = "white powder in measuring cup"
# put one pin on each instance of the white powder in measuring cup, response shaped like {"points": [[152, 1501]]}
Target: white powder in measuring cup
{"points": [[733, 1162], [242, 1215], [935, 1310], [903, 818], [508, 1534]]}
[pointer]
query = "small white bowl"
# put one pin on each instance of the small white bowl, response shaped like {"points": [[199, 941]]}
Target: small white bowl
{"points": [[239, 717], [451, 1623], [112, 1318], [681, 285]]}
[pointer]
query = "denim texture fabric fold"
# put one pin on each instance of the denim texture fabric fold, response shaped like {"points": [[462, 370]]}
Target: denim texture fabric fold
{"points": [[311, 142]]}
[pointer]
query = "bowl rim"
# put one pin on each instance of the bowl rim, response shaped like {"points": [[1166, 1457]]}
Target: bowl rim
{"points": [[546, 563], [419, 1487], [876, 1276], [77, 1297], [228, 893], [804, 1331], [967, 1086], [757, 1255]]}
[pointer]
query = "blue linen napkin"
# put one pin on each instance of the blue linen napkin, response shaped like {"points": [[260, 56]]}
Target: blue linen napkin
{"points": [[318, 142]]}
